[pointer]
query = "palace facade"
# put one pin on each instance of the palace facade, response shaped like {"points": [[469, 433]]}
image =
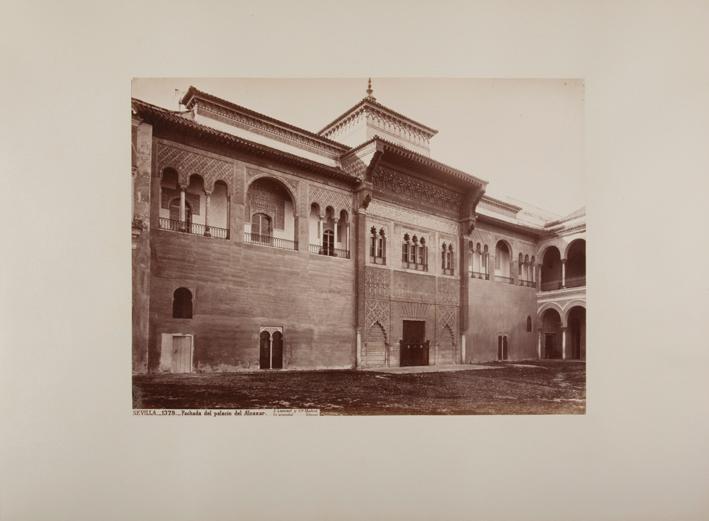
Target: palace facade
{"points": [[261, 245]]}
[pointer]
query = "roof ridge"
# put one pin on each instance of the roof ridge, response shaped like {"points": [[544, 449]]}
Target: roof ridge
{"points": [[194, 91]]}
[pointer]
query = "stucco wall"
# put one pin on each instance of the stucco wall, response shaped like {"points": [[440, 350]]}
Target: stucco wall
{"points": [[238, 288], [498, 308]]}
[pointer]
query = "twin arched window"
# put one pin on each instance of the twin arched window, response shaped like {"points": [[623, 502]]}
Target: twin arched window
{"points": [[182, 303], [378, 245]]}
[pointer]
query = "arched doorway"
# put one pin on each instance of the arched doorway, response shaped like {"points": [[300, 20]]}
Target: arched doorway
{"points": [[576, 320], [551, 334]]}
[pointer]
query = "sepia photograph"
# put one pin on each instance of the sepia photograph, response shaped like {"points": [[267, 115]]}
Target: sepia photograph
{"points": [[356, 283], [372, 246]]}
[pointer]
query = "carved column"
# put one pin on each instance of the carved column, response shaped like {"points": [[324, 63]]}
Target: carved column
{"points": [[336, 233], [183, 188], [206, 213], [563, 343], [563, 273]]}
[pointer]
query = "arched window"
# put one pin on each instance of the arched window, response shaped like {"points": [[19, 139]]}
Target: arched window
{"points": [[182, 303], [503, 260], [447, 259], [377, 247], [405, 247], [261, 228], [529, 324]]}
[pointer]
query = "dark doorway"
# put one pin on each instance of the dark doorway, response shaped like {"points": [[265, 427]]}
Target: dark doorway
{"points": [[551, 347], [577, 333], [277, 351], [502, 347], [414, 346], [265, 350]]}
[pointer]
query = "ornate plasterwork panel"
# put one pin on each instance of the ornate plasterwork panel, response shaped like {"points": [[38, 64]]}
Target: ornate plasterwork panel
{"points": [[447, 316], [377, 283], [324, 197], [378, 311], [448, 291], [416, 190], [415, 309], [253, 173], [408, 217], [186, 163], [269, 203]]}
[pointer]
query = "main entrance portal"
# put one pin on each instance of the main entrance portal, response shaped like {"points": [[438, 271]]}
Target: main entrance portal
{"points": [[414, 346]]}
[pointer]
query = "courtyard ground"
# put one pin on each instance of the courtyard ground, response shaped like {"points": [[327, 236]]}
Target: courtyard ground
{"points": [[536, 387]]}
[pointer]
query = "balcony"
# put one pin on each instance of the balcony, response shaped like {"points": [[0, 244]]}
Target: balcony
{"points": [[328, 251], [271, 242], [479, 275], [502, 278], [193, 228], [575, 282], [528, 283]]}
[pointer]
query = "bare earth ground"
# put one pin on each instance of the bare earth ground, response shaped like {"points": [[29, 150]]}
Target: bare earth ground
{"points": [[538, 387]]}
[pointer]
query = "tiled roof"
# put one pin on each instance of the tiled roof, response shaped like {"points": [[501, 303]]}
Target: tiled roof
{"points": [[383, 108], [189, 98], [153, 112]]}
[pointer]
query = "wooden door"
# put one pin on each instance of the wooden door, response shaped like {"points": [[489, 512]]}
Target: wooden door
{"points": [[414, 350], [181, 354]]}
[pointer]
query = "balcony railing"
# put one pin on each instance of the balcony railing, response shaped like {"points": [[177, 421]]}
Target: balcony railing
{"points": [[479, 275], [448, 271], [330, 252], [551, 285], [272, 242], [502, 278], [575, 282], [528, 283], [193, 228]]}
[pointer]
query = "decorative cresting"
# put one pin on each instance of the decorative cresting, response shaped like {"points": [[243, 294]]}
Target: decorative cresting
{"points": [[415, 309], [377, 283], [378, 311], [448, 292], [417, 190], [186, 163], [325, 198]]}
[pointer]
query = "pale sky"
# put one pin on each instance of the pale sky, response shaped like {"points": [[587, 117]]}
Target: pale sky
{"points": [[523, 136]]}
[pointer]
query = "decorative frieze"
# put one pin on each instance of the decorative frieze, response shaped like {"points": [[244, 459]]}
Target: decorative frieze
{"points": [[415, 309], [405, 216], [417, 191], [187, 163]]}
